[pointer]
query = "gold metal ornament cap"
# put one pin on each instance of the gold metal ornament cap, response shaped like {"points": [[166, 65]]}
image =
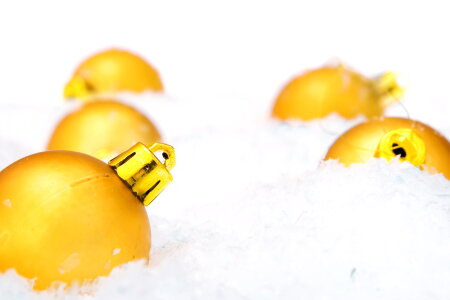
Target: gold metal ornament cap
{"points": [[77, 87], [143, 172], [389, 88], [403, 143]]}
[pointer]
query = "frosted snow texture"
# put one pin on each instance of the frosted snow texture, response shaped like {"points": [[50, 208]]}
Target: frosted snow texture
{"points": [[253, 214]]}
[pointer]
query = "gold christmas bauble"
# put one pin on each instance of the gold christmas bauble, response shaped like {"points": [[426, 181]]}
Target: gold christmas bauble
{"points": [[112, 71], [406, 139], [67, 217], [326, 90], [103, 129]]}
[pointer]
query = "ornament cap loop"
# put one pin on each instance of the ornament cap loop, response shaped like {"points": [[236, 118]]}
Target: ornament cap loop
{"points": [[143, 172], [168, 154], [403, 143]]}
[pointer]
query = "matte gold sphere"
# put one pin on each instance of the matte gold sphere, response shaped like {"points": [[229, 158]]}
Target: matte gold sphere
{"points": [[407, 139], [103, 129], [66, 217], [110, 72], [317, 93]]}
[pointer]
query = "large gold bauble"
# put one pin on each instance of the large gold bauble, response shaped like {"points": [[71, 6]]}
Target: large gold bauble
{"points": [[66, 216], [110, 72], [407, 139], [320, 92], [103, 129]]}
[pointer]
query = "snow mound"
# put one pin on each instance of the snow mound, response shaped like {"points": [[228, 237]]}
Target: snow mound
{"points": [[253, 213]]}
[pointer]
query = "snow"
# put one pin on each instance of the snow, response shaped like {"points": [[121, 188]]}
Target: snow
{"points": [[253, 213]]}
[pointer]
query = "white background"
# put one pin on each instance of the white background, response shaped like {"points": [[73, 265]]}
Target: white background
{"points": [[226, 48]]}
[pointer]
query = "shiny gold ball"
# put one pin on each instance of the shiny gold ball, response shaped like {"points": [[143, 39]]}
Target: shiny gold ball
{"points": [[110, 72], [67, 217], [318, 93], [103, 129], [406, 139]]}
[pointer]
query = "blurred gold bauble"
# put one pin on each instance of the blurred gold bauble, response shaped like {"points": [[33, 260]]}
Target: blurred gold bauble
{"points": [[66, 216], [409, 140], [110, 72], [320, 92], [103, 129]]}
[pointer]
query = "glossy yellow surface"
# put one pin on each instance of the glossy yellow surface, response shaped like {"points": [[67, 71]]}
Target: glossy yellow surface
{"points": [[66, 216], [319, 92], [103, 129], [143, 171], [110, 72], [407, 139]]}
